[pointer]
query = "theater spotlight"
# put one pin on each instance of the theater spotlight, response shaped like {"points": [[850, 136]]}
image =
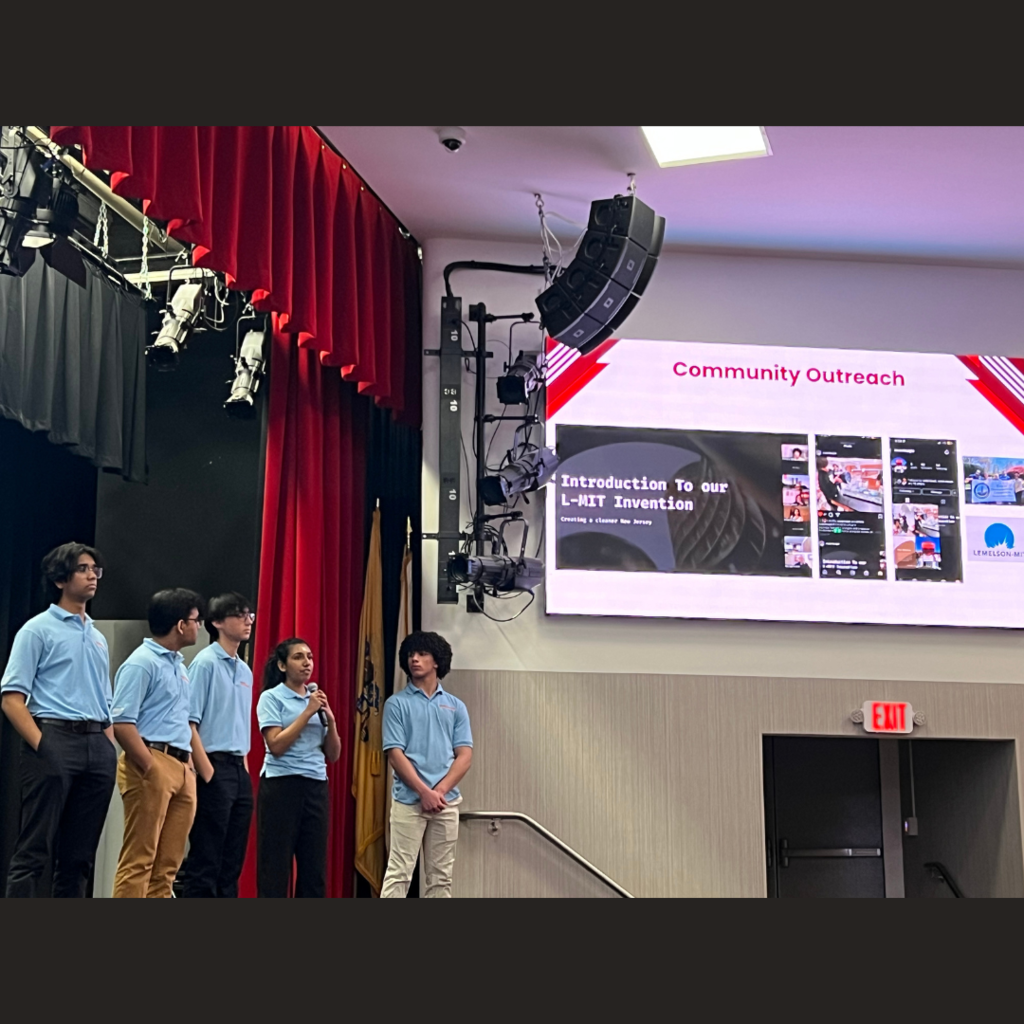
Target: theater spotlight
{"points": [[249, 370], [38, 210], [521, 379], [179, 320], [496, 572], [19, 181], [54, 219], [591, 299], [527, 473]]}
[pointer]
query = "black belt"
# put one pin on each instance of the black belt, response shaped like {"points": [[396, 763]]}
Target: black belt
{"points": [[223, 755], [73, 726], [166, 748]]}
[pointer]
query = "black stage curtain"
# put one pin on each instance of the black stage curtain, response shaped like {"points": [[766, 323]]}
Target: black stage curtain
{"points": [[47, 497], [394, 458], [393, 465], [72, 364]]}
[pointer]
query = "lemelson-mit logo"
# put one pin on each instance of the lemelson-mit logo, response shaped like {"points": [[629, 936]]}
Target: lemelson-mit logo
{"points": [[994, 540]]}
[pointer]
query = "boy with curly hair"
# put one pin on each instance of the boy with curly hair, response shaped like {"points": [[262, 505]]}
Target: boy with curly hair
{"points": [[430, 747]]}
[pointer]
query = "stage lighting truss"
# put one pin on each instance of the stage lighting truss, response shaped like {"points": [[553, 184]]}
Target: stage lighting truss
{"points": [[250, 368], [521, 379]]}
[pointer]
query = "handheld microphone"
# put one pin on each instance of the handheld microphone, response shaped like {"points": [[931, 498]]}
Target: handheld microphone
{"points": [[321, 714]]}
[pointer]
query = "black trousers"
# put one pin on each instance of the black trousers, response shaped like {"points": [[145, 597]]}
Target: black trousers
{"points": [[291, 821], [66, 787], [220, 832]]}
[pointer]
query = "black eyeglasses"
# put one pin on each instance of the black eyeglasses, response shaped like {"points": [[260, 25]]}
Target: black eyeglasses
{"points": [[197, 620], [84, 570], [244, 616]]}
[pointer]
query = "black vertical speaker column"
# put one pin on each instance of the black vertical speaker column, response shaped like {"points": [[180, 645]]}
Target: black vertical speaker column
{"points": [[591, 298]]}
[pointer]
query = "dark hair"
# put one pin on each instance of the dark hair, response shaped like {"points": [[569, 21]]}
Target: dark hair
{"points": [[61, 562], [220, 607], [426, 643], [272, 674], [168, 607]]}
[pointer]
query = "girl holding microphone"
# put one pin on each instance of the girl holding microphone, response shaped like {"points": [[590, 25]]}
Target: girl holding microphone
{"points": [[301, 736]]}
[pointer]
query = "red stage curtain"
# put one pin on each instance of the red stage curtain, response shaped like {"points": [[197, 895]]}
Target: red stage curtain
{"points": [[284, 216], [312, 559]]}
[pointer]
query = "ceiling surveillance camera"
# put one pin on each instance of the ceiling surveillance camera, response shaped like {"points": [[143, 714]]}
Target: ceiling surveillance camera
{"points": [[453, 139]]}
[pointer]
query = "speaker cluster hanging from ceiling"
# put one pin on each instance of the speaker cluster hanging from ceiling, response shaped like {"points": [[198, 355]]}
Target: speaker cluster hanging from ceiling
{"points": [[592, 297]]}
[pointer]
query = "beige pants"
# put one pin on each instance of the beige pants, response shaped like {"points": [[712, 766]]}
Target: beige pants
{"points": [[158, 811], [437, 834]]}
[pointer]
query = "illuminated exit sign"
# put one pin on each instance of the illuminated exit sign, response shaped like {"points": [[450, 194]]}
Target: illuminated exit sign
{"points": [[888, 716]]}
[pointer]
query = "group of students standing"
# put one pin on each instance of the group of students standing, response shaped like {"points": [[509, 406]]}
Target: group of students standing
{"points": [[183, 772]]}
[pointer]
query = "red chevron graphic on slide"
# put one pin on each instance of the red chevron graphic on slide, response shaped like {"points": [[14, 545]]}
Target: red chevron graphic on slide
{"points": [[567, 373], [1001, 382]]}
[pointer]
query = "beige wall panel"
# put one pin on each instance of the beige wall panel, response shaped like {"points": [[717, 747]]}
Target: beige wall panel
{"points": [[657, 779]]}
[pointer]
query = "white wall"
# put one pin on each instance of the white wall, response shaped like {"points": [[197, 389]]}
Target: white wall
{"points": [[753, 300]]}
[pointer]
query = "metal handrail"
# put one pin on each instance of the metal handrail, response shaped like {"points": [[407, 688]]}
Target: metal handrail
{"points": [[552, 839], [940, 869]]}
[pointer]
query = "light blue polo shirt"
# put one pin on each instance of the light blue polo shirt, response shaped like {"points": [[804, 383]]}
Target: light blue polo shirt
{"points": [[427, 730], [221, 701], [281, 705], [151, 692], [62, 666]]}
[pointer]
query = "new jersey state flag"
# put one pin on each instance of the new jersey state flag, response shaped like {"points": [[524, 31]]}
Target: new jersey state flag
{"points": [[368, 777]]}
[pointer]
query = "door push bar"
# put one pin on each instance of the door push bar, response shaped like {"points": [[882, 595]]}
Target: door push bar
{"points": [[785, 853]]}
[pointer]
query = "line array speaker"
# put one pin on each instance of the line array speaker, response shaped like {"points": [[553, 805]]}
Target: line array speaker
{"points": [[592, 297]]}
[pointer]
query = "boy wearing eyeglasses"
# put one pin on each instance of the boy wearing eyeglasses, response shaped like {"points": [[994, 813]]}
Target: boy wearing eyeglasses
{"points": [[155, 773], [56, 694], [221, 717]]}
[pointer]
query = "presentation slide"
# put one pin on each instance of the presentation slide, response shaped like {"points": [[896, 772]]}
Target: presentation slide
{"points": [[795, 484]]}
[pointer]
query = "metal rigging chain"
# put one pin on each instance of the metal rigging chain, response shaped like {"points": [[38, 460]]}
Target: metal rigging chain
{"points": [[102, 232], [147, 288]]}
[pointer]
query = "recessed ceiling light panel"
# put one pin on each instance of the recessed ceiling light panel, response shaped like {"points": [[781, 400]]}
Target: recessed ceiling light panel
{"points": [[674, 146]]}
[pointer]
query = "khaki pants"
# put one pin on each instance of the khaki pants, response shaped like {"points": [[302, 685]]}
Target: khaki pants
{"points": [[411, 828], [158, 811]]}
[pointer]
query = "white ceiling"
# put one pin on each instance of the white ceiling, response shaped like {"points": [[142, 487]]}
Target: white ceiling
{"points": [[929, 193]]}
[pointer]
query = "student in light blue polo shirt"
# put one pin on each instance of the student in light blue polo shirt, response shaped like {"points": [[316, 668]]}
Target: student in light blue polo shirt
{"points": [[292, 808], [155, 773], [221, 713], [56, 694], [430, 747]]}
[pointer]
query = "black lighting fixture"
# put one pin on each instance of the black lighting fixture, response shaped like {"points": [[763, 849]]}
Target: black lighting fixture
{"points": [[38, 209], [180, 318], [498, 573], [528, 472], [592, 297], [21, 181], [521, 379], [54, 218], [250, 367]]}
